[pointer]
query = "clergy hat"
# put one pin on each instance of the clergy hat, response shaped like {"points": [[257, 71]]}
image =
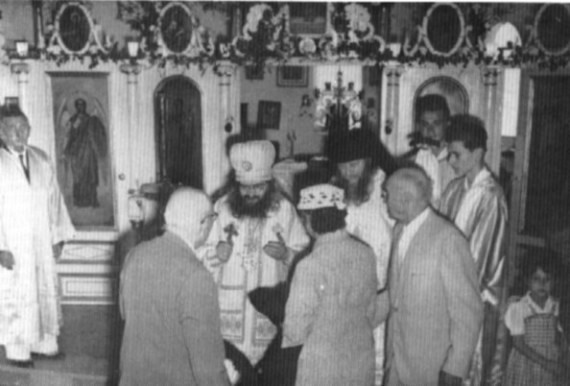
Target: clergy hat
{"points": [[252, 161]]}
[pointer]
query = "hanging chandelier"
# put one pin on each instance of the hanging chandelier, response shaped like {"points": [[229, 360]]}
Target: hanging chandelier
{"points": [[338, 108]]}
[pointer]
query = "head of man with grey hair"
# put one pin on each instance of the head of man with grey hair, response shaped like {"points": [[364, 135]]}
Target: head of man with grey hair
{"points": [[169, 302], [407, 193], [189, 215]]}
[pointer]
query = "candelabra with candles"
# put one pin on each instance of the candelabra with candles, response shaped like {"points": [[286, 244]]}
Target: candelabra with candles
{"points": [[338, 107]]}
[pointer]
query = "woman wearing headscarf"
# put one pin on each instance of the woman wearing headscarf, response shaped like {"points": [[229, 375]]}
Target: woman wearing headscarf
{"points": [[332, 300], [362, 164]]}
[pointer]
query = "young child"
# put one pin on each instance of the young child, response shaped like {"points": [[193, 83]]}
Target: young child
{"points": [[539, 348]]}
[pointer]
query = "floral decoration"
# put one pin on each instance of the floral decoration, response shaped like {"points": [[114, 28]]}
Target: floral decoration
{"points": [[265, 37]]}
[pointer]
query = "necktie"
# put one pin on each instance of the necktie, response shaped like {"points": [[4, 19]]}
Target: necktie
{"points": [[394, 262], [26, 170]]}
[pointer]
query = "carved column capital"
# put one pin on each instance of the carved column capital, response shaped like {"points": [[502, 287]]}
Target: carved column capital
{"points": [[20, 68], [393, 75], [132, 70], [491, 76], [491, 79], [390, 125], [225, 69]]}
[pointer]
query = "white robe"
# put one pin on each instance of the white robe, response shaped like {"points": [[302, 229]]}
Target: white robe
{"points": [[438, 169], [33, 218], [249, 268], [370, 222]]}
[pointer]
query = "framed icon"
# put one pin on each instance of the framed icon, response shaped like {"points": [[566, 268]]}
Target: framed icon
{"points": [[74, 27], [176, 27], [292, 76], [444, 29], [552, 29], [268, 115], [83, 147]]}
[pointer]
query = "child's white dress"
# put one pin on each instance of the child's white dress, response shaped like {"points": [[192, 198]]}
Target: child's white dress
{"points": [[539, 327]]}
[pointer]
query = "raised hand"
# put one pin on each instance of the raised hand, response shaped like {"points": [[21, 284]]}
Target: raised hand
{"points": [[276, 249], [6, 259], [224, 251]]}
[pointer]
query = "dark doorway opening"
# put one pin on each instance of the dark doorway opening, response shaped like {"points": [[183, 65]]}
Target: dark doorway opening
{"points": [[179, 132]]}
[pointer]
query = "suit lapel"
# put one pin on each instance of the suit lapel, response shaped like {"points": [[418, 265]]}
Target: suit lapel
{"points": [[35, 168], [395, 265], [402, 270], [14, 167], [32, 167], [422, 233]]}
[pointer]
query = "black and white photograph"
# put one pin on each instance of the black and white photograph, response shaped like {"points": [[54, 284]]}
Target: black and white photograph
{"points": [[276, 193]]}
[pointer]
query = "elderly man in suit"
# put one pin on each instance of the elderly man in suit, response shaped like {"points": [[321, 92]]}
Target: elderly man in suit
{"points": [[170, 303], [433, 301]]}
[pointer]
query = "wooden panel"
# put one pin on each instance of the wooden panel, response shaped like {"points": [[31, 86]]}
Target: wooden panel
{"points": [[88, 253], [88, 289]]}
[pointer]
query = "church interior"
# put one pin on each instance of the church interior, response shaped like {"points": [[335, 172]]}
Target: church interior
{"points": [[173, 82]]}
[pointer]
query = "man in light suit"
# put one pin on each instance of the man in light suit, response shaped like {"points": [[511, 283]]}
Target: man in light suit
{"points": [[170, 303], [433, 301]]}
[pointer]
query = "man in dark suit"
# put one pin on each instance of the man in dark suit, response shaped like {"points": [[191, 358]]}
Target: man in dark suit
{"points": [[170, 303], [433, 301]]}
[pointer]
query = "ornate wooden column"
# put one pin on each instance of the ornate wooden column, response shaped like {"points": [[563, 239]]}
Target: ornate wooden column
{"points": [[21, 69], [491, 78], [390, 124], [225, 117], [132, 71], [225, 72]]}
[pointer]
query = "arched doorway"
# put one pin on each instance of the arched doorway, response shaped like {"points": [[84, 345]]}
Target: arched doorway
{"points": [[178, 129]]}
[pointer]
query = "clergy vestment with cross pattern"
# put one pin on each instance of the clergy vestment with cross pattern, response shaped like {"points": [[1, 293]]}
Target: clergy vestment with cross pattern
{"points": [[249, 268]]}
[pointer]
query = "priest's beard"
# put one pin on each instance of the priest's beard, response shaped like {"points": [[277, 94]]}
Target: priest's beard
{"points": [[240, 207], [358, 193]]}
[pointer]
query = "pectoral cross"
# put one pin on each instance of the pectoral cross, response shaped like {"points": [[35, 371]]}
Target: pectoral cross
{"points": [[230, 231]]}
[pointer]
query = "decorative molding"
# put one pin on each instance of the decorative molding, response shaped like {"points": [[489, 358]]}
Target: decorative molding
{"points": [[19, 68], [266, 37], [88, 253], [490, 76], [225, 69], [130, 69], [87, 289], [393, 77]]}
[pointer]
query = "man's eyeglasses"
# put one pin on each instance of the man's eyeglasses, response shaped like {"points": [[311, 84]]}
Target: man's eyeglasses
{"points": [[211, 216]]}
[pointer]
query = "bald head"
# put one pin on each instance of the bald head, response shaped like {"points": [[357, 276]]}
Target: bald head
{"points": [[408, 193], [185, 211]]}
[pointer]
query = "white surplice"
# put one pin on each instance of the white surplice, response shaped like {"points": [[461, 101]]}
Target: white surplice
{"points": [[33, 218]]}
